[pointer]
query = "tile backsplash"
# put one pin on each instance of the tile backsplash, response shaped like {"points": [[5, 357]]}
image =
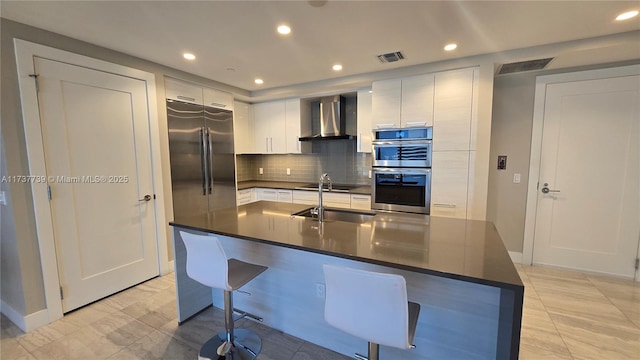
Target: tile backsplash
{"points": [[337, 158]]}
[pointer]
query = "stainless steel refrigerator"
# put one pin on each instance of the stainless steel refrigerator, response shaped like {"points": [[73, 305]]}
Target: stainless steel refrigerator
{"points": [[202, 158]]}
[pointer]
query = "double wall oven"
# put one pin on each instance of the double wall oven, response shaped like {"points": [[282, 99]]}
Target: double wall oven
{"points": [[401, 170]]}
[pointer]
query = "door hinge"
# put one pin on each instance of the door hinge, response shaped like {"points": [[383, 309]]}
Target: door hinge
{"points": [[35, 78], [637, 263], [61, 293], [49, 191]]}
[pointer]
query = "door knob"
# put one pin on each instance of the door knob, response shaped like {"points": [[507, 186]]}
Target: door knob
{"points": [[146, 198], [545, 189]]}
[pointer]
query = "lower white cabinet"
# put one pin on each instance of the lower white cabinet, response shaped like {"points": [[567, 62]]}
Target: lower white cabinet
{"points": [[328, 199], [246, 196], [361, 202], [336, 200], [449, 180]]}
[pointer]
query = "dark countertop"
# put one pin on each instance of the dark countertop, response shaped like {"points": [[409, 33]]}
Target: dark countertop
{"points": [[289, 185], [466, 250]]}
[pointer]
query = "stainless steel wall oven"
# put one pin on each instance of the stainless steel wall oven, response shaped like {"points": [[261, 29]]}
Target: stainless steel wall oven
{"points": [[401, 170]]}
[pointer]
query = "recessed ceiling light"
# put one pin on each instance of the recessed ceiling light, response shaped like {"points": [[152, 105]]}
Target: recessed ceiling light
{"points": [[259, 81], [189, 56], [627, 15], [337, 67], [450, 47], [284, 29]]}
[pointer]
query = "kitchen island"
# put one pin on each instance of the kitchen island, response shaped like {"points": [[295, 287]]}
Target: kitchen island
{"points": [[458, 271]]}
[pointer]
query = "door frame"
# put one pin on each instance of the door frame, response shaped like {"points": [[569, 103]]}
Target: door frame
{"points": [[536, 144], [25, 53]]}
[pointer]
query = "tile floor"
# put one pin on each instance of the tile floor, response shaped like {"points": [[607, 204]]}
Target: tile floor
{"points": [[567, 315]]}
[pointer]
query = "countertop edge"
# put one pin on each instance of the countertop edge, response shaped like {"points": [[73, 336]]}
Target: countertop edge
{"points": [[515, 287]]}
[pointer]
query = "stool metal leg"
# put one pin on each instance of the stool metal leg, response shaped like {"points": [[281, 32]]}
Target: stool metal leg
{"points": [[374, 351]]}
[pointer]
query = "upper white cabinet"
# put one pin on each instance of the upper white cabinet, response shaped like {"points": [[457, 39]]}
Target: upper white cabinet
{"points": [[453, 109], [277, 126], [364, 121], [406, 102], [292, 126], [178, 90], [269, 127], [217, 99], [195, 94], [242, 128]]}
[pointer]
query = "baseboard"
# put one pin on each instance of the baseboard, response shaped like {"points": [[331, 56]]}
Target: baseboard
{"points": [[28, 322], [516, 257]]}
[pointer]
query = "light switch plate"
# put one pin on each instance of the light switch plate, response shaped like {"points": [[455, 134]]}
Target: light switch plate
{"points": [[288, 171], [3, 199], [260, 171], [516, 178], [369, 174]]}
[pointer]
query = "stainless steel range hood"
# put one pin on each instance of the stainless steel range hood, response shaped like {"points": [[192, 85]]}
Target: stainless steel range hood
{"points": [[332, 120]]}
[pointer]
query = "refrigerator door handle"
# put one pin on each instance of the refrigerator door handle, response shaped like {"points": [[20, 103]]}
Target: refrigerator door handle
{"points": [[203, 161], [210, 160]]}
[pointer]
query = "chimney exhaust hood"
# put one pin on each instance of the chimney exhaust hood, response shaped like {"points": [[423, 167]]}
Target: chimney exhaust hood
{"points": [[332, 120]]}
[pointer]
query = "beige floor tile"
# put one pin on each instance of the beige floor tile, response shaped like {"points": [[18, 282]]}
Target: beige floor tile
{"points": [[155, 311], [87, 343], [10, 349], [195, 332], [587, 339], [121, 329], [39, 337], [157, 346]]}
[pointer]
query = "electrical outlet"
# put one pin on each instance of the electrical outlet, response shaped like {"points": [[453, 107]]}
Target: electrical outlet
{"points": [[369, 174], [320, 290], [3, 199], [516, 178], [288, 171], [260, 171]]}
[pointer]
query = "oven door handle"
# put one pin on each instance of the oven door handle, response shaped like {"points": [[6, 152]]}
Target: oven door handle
{"points": [[401, 142], [405, 171]]}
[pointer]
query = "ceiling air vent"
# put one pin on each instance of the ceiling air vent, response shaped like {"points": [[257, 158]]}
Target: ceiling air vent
{"points": [[390, 57], [524, 66]]}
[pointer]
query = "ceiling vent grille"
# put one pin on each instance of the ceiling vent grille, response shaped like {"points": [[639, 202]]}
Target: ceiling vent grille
{"points": [[391, 57], [521, 66]]}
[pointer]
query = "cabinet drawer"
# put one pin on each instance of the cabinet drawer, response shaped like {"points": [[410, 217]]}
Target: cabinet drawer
{"points": [[244, 196], [182, 91], [266, 194], [217, 99], [361, 202], [285, 196]]}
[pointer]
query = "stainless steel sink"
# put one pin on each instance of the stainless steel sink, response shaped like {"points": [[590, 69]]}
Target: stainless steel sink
{"points": [[358, 217]]}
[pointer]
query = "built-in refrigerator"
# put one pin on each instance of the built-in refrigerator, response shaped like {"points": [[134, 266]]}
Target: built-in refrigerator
{"points": [[202, 158]]}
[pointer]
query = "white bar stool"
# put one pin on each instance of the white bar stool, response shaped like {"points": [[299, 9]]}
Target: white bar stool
{"points": [[207, 264], [372, 306]]}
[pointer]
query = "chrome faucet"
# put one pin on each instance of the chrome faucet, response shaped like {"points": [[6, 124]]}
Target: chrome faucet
{"points": [[323, 178]]}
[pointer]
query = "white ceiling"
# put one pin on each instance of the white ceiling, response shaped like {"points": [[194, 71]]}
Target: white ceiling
{"points": [[242, 34]]}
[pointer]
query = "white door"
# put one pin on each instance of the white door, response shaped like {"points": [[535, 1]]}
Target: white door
{"points": [[590, 217], [95, 129]]}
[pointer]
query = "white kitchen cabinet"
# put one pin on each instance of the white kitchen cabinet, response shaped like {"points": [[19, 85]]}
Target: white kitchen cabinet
{"points": [[281, 195], [217, 99], [330, 199], [386, 102], [266, 194], [305, 197], [361, 202], [452, 110], [400, 103], [449, 182], [364, 121], [270, 127], [285, 196], [246, 196], [417, 101], [182, 91], [243, 128], [292, 127]]}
